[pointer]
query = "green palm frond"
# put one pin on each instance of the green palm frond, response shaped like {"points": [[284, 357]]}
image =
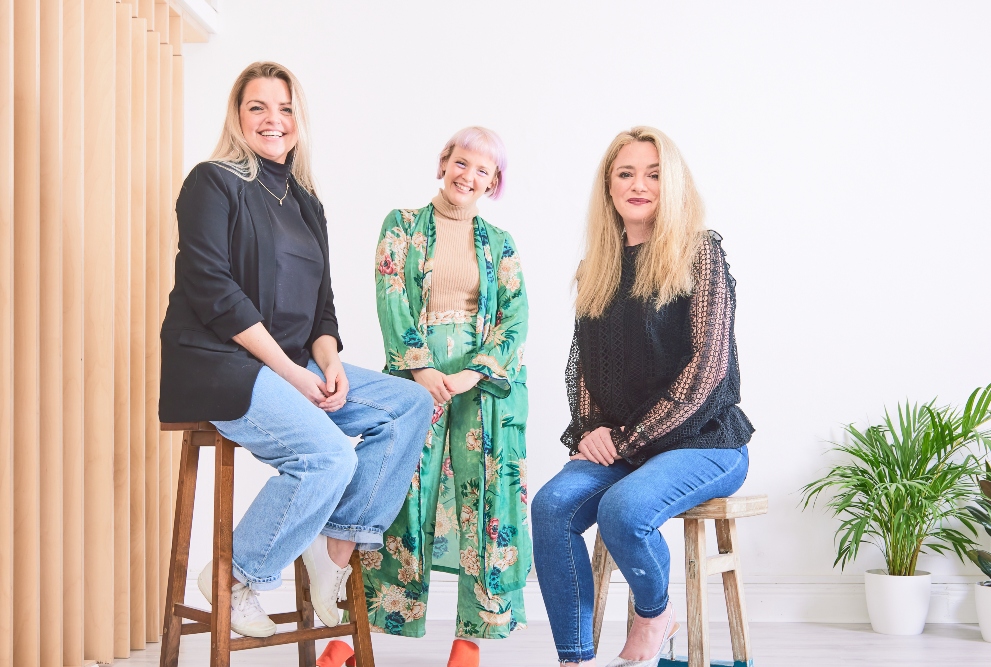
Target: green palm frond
{"points": [[906, 483]]}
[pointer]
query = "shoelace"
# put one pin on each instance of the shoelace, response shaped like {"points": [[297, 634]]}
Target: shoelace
{"points": [[249, 599]]}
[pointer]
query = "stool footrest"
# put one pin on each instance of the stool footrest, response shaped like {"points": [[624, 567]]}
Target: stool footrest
{"points": [[286, 617], [683, 662], [292, 637], [194, 629], [192, 613], [720, 563]]}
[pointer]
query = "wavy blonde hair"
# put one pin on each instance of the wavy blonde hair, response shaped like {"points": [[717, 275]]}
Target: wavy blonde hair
{"points": [[664, 266], [233, 149]]}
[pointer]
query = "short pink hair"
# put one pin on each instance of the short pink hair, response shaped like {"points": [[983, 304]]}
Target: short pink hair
{"points": [[479, 140]]}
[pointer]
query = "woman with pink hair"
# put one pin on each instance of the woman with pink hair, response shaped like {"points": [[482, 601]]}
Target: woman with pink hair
{"points": [[453, 312]]}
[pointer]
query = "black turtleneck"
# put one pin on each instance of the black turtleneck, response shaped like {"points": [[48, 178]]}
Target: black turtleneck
{"points": [[299, 264]]}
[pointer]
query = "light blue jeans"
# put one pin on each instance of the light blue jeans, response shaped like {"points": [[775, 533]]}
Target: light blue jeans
{"points": [[629, 504], [325, 484]]}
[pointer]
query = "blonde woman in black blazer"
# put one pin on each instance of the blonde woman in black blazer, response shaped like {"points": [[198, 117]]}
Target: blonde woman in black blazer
{"points": [[250, 342]]}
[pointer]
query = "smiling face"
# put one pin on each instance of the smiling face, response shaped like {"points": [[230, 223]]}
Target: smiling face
{"points": [[634, 182], [467, 176], [266, 118]]}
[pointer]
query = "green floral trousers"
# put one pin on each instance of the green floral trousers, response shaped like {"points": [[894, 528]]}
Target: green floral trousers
{"points": [[437, 529]]}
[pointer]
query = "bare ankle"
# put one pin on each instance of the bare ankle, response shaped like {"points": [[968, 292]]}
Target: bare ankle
{"points": [[340, 551]]}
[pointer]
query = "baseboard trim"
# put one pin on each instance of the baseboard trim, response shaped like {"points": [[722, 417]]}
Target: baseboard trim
{"points": [[791, 599]]}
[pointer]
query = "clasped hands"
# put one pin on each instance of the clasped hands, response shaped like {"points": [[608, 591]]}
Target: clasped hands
{"points": [[442, 386], [597, 446], [328, 395]]}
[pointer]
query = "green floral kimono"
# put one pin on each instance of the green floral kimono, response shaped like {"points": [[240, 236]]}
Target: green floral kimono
{"points": [[466, 510]]}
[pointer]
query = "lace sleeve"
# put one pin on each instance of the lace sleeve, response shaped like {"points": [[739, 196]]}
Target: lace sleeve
{"points": [[585, 414], [711, 313]]}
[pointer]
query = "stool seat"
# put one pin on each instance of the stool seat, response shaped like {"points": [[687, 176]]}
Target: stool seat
{"points": [[733, 507], [698, 566], [217, 621], [188, 426]]}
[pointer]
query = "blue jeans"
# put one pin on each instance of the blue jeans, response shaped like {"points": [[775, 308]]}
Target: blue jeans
{"points": [[325, 484], [629, 504]]}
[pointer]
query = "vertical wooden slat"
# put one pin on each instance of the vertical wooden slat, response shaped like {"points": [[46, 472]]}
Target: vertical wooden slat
{"points": [[50, 321], [152, 344], [122, 336], [146, 10], [6, 330], [72, 332], [175, 33], [162, 20], [98, 345], [27, 146], [139, 66], [175, 38], [165, 507]]}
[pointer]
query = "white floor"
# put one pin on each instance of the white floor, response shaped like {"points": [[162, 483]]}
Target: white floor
{"points": [[775, 645]]}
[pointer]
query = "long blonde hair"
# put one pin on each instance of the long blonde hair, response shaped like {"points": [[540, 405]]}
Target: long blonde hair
{"points": [[664, 266], [233, 149]]}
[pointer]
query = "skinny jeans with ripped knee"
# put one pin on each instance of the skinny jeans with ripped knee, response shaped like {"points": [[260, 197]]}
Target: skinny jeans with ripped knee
{"points": [[325, 484], [629, 504]]}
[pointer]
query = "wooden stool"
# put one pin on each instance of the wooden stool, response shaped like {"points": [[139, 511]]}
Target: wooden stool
{"points": [[698, 567], [218, 623]]}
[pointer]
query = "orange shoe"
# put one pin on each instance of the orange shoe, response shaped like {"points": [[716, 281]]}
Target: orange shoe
{"points": [[463, 654], [336, 654]]}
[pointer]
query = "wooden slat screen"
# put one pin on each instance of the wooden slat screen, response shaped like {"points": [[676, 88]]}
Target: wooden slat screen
{"points": [[90, 165]]}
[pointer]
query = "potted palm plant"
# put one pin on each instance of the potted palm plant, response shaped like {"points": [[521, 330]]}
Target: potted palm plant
{"points": [[982, 513], [903, 491]]}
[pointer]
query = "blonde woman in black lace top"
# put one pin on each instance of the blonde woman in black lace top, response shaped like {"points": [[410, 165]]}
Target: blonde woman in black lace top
{"points": [[653, 384]]}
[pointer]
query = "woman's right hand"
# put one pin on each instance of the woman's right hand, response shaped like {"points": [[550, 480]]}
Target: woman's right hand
{"points": [[432, 380], [597, 447], [307, 383]]}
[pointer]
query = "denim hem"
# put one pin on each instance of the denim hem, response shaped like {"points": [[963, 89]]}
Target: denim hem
{"points": [[652, 613], [584, 654], [365, 538], [254, 583]]}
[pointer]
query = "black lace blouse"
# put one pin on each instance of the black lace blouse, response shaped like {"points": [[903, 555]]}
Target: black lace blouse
{"points": [[660, 379]]}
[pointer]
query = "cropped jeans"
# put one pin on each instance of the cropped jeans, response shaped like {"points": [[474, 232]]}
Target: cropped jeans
{"points": [[325, 484], [629, 504]]}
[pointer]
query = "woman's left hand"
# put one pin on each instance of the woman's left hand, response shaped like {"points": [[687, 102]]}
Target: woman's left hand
{"points": [[597, 447], [459, 383], [337, 386]]}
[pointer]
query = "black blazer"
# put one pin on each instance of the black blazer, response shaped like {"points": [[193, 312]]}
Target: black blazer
{"points": [[225, 283]]}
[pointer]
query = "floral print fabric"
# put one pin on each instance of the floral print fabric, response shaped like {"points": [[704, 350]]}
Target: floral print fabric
{"points": [[466, 510]]}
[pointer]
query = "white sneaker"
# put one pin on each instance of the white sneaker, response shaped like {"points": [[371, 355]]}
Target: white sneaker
{"points": [[327, 581], [247, 616]]}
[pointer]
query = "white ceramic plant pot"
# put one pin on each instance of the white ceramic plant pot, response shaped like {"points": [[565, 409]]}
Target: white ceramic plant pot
{"points": [[983, 596], [897, 605]]}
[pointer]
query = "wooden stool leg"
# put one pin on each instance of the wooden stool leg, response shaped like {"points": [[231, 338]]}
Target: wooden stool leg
{"points": [[358, 614], [736, 608], [307, 649], [357, 608], [602, 567], [223, 538], [176, 592], [698, 601]]}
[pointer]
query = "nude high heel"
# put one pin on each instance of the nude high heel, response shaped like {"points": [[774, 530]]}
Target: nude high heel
{"points": [[670, 630]]}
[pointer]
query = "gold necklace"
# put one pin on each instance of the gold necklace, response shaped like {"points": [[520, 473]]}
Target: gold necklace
{"points": [[280, 199]]}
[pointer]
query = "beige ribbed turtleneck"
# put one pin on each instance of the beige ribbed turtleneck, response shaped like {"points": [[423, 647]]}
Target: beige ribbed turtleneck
{"points": [[455, 281]]}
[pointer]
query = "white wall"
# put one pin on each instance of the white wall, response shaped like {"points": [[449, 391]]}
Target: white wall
{"points": [[842, 151]]}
